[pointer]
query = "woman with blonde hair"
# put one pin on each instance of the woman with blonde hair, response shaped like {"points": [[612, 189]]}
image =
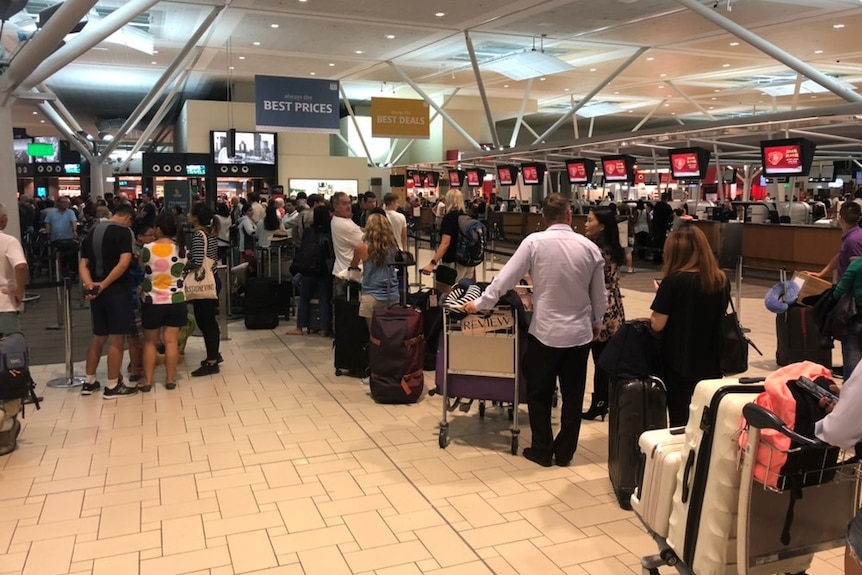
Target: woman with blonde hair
{"points": [[376, 252], [689, 304], [445, 254]]}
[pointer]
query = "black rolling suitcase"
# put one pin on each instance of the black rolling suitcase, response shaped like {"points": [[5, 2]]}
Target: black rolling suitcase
{"points": [[351, 335], [799, 338], [635, 406], [260, 305]]}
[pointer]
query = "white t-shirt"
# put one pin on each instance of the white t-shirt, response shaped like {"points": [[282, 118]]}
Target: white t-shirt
{"points": [[346, 235], [398, 223], [13, 254]]}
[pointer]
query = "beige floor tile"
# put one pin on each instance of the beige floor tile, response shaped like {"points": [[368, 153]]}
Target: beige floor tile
{"points": [[117, 545], [369, 530], [128, 563], [300, 515], [391, 556], [236, 501], [355, 505], [500, 534], [323, 561], [289, 493], [60, 507], [251, 552], [446, 545], [280, 474], [186, 562], [524, 557], [477, 511], [583, 551], [552, 525], [242, 524], [315, 539], [474, 568], [340, 485], [50, 556], [182, 535], [58, 529], [120, 520]]}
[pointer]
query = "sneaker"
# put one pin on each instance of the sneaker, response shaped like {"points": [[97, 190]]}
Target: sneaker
{"points": [[206, 369], [366, 381], [119, 391], [9, 438], [90, 388]]}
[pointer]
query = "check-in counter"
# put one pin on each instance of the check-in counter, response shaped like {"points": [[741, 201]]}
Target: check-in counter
{"points": [[514, 225], [796, 248], [712, 230]]}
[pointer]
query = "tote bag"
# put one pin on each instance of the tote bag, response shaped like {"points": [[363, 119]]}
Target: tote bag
{"points": [[200, 283]]}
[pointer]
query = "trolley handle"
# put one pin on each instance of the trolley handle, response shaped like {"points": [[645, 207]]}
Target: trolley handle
{"points": [[761, 418]]}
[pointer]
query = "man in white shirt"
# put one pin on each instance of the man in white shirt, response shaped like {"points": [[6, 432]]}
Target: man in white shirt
{"points": [[258, 211], [396, 219], [291, 218], [346, 235], [569, 301], [14, 272]]}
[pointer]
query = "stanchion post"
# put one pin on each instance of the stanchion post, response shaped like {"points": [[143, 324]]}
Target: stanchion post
{"points": [[418, 278], [58, 274], [493, 268], [70, 379], [739, 292], [224, 301]]}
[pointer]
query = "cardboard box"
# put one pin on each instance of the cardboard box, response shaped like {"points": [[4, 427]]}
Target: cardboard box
{"points": [[809, 285]]}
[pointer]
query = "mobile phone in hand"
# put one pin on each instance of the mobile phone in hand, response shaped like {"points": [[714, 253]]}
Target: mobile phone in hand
{"points": [[816, 390], [93, 291]]}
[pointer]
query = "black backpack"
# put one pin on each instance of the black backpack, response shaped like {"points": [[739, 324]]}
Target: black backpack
{"points": [[15, 379], [316, 255]]}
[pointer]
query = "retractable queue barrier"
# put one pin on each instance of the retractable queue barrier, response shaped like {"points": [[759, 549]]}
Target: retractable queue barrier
{"points": [[224, 300], [59, 281], [70, 379]]}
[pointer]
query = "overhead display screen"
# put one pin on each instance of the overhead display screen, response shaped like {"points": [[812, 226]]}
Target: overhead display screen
{"points": [[506, 175], [250, 148], [618, 168], [475, 177], [533, 174], [688, 163], [455, 179], [791, 157], [580, 171]]}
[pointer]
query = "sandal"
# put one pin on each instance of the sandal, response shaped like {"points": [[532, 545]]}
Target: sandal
{"points": [[171, 385], [294, 331], [144, 387]]}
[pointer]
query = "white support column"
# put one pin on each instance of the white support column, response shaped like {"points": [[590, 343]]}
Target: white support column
{"points": [[481, 86], [92, 35], [792, 62], [42, 44], [436, 106], [516, 132], [565, 117], [9, 192]]}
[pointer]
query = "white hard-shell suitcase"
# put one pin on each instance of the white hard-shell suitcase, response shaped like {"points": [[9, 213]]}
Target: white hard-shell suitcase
{"points": [[661, 453], [702, 525]]}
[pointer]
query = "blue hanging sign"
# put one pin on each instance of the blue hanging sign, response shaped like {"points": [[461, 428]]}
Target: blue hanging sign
{"points": [[296, 104]]}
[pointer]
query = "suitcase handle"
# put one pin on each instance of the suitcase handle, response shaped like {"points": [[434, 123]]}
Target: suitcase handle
{"points": [[689, 465]]}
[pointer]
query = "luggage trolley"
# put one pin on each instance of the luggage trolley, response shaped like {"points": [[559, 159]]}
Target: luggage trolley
{"points": [[481, 361], [820, 517]]}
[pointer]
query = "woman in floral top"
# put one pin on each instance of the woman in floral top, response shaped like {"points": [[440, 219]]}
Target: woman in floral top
{"points": [[164, 302], [601, 227]]}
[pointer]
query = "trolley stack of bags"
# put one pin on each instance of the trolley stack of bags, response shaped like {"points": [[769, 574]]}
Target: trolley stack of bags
{"points": [[689, 490]]}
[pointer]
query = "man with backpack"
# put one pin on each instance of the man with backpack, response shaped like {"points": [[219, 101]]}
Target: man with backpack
{"points": [[462, 243]]}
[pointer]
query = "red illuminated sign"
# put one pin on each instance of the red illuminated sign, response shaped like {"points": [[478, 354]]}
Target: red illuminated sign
{"points": [[454, 179], [577, 172], [783, 159], [685, 165], [615, 170], [505, 175], [472, 178], [531, 174]]}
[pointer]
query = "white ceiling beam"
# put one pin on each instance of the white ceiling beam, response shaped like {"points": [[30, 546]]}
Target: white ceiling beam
{"points": [[457, 127], [523, 110], [62, 110], [649, 115], [565, 117], [43, 43], [165, 79], [92, 35], [689, 99], [792, 62], [346, 100], [492, 125], [54, 118], [446, 102]]}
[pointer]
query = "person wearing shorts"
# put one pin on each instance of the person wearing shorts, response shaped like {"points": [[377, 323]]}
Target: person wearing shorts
{"points": [[379, 279], [164, 301], [105, 257]]}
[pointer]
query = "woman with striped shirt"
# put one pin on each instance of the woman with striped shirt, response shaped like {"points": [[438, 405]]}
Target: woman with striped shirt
{"points": [[205, 233]]}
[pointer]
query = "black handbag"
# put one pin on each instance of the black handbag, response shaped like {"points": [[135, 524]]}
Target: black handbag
{"points": [[843, 314], [734, 343]]}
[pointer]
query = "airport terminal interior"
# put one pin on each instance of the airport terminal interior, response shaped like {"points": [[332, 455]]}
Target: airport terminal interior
{"points": [[277, 465]]}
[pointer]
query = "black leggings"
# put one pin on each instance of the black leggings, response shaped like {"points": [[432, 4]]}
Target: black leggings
{"points": [[206, 316]]}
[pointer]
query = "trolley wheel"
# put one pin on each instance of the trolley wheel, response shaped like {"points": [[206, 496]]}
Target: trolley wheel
{"points": [[443, 438], [482, 409], [511, 414], [669, 557], [514, 445], [337, 373]]}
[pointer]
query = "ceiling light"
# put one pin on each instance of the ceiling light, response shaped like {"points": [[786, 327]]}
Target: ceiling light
{"points": [[273, 25], [631, 111], [713, 98], [734, 43], [526, 65], [838, 26], [35, 113], [155, 51], [712, 107], [303, 0], [813, 97], [667, 105], [617, 92], [440, 14], [542, 79], [42, 121], [312, 73], [256, 43], [565, 89], [390, 36], [360, 51], [332, 64], [242, 57], [153, 62], [650, 59], [231, 68], [716, 90], [725, 65], [505, 85], [818, 51], [662, 75], [660, 86], [592, 69]]}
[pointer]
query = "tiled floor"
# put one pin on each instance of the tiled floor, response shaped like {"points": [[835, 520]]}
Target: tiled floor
{"points": [[277, 466]]}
